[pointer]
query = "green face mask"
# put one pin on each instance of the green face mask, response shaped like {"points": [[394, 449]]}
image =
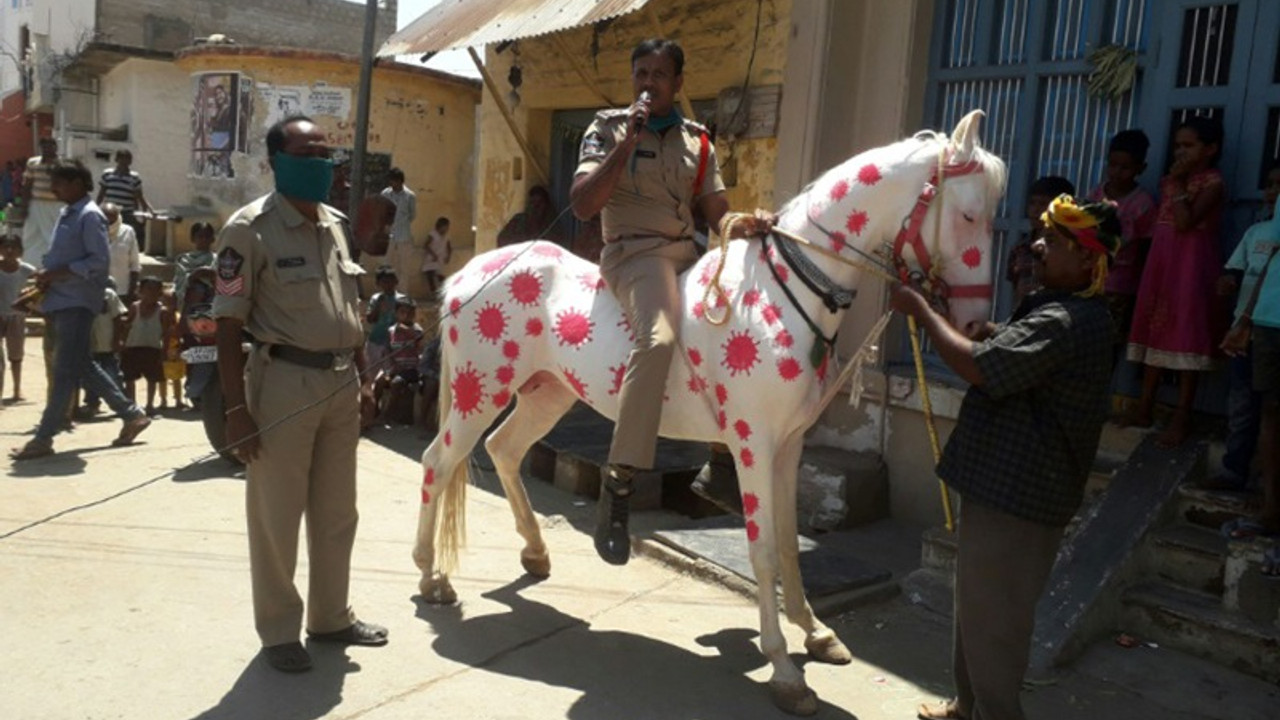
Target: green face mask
{"points": [[303, 178]]}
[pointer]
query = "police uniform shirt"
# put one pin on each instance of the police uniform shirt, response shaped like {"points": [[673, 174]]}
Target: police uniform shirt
{"points": [[655, 195], [289, 281]]}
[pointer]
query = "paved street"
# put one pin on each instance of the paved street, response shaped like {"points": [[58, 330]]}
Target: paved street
{"points": [[125, 594]]}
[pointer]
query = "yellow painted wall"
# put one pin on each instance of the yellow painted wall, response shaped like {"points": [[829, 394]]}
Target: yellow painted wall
{"points": [[717, 39], [426, 123]]}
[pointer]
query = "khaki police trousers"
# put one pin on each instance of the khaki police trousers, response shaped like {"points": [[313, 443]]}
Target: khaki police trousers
{"points": [[1002, 566], [643, 274], [306, 466]]}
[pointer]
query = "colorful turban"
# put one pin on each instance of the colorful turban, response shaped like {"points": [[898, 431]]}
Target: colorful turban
{"points": [[1094, 226]]}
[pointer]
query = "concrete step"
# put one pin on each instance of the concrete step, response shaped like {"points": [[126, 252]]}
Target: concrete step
{"points": [[938, 549], [1248, 591], [1197, 623], [837, 489], [1120, 441], [1190, 556], [1211, 508]]}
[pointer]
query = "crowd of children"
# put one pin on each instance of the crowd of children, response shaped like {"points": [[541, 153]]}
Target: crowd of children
{"points": [[1169, 289]]}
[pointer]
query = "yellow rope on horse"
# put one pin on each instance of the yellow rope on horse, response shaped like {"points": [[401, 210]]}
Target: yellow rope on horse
{"points": [[727, 224]]}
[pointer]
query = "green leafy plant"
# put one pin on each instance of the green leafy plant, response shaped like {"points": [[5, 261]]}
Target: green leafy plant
{"points": [[1115, 68]]}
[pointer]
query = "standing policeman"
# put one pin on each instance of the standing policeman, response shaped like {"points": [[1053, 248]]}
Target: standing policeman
{"points": [[647, 170], [286, 277]]}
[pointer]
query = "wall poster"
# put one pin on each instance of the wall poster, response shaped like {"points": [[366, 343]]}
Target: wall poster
{"points": [[220, 120]]}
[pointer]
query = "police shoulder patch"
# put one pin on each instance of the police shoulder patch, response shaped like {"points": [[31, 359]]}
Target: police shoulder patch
{"points": [[230, 264]]}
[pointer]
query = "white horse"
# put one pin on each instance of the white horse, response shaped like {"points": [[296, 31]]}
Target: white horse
{"points": [[534, 324]]}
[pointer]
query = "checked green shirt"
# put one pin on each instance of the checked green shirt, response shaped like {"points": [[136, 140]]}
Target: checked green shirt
{"points": [[1026, 438]]}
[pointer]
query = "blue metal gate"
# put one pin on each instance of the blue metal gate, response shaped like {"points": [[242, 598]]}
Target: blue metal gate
{"points": [[1025, 62]]}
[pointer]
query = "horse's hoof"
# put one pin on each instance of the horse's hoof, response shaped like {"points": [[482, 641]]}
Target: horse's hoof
{"points": [[437, 591], [537, 566], [793, 699], [825, 647]]}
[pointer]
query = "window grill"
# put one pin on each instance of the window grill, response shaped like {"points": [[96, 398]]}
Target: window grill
{"points": [[1271, 146], [1068, 22], [1012, 36], [963, 27], [1077, 128], [1208, 40], [1128, 26]]}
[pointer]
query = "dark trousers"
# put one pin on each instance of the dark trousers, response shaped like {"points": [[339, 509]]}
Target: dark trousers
{"points": [[1001, 570], [110, 364], [1244, 414], [72, 366]]}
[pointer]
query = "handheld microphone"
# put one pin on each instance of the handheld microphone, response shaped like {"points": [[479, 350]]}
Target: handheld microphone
{"points": [[645, 99]]}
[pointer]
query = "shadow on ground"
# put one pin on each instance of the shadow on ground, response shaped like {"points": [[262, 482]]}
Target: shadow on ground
{"points": [[213, 468], [261, 692], [619, 674]]}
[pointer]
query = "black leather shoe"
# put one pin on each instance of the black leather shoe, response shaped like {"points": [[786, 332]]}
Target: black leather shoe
{"points": [[613, 541], [717, 483], [358, 633]]}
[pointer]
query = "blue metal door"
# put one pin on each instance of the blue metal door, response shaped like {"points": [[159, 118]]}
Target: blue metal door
{"points": [[1025, 62]]}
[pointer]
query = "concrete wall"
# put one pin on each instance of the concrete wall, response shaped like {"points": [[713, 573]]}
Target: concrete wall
{"points": [[16, 138], [862, 68], [154, 99], [717, 40], [11, 21], [425, 120], [335, 25], [69, 24]]}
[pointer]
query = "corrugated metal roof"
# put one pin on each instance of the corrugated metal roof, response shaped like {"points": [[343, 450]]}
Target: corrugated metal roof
{"points": [[470, 23]]}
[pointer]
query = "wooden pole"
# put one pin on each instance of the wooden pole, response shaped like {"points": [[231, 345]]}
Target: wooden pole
{"points": [[362, 114], [506, 114], [656, 22]]}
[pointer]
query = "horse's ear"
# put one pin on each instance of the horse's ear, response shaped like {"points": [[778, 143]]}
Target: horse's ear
{"points": [[965, 137]]}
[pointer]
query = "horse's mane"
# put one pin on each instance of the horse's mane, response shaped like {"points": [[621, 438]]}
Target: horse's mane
{"points": [[993, 168]]}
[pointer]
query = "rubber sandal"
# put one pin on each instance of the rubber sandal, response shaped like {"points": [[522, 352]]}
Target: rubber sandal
{"points": [[131, 430], [32, 450], [1243, 528], [358, 633], [288, 657]]}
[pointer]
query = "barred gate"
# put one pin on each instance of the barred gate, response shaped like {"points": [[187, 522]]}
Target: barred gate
{"points": [[1025, 62]]}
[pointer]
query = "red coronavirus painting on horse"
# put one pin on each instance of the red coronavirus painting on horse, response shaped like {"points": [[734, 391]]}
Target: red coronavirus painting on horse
{"points": [[530, 326]]}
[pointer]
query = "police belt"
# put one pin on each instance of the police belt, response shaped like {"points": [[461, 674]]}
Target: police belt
{"points": [[311, 358], [651, 236]]}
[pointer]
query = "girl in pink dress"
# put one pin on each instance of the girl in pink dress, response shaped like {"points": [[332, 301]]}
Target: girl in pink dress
{"points": [[1177, 316]]}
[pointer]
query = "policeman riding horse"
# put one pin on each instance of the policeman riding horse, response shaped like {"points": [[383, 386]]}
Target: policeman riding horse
{"points": [[533, 325]]}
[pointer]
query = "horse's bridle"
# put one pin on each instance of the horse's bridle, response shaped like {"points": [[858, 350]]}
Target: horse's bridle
{"points": [[928, 277]]}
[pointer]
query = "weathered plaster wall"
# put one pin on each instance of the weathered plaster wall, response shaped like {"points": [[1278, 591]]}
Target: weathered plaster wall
{"points": [[11, 21], [154, 99], [863, 69], [335, 25], [67, 23], [425, 120], [717, 40]]}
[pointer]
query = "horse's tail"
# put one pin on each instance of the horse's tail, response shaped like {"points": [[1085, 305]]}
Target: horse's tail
{"points": [[451, 531]]}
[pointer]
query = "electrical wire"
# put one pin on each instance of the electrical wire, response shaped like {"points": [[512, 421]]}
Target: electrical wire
{"points": [[220, 451]]}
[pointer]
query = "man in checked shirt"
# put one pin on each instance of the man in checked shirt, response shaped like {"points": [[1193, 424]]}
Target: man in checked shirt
{"points": [[1022, 448]]}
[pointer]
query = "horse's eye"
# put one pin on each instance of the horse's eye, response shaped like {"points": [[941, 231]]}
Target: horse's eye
{"points": [[968, 218]]}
